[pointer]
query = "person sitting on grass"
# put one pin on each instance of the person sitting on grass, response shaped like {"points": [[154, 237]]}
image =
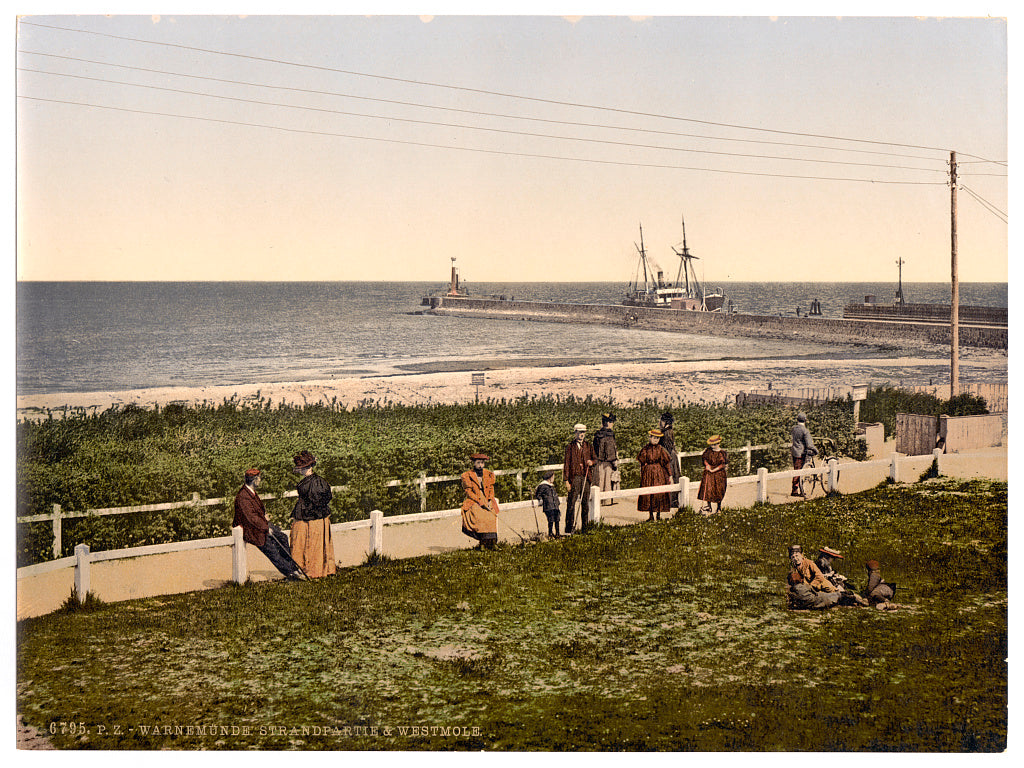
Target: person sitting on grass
{"points": [[252, 517], [879, 594], [803, 597], [824, 562], [547, 495]]}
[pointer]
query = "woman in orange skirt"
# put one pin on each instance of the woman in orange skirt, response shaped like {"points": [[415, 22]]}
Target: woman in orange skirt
{"points": [[312, 548]]}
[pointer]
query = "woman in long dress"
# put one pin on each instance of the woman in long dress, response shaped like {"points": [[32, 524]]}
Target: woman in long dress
{"points": [[655, 469], [312, 548], [714, 478], [480, 507]]}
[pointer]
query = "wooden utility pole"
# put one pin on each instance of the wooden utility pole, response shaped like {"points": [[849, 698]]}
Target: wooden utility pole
{"points": [[954, 302]]}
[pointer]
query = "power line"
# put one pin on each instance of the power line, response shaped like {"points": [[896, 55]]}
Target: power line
{"points": [[485, 129], [482, 91], [991, 208], [503, 115], [475, 149]]}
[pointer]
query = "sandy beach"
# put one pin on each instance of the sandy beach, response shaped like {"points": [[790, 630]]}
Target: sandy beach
{"points": [[669, 382]]}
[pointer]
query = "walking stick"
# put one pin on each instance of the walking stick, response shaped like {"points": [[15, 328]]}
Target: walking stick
{"points": [[287, 553]]}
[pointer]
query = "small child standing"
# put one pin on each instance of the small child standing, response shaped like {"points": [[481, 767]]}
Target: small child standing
{"points": [[548, 496]]}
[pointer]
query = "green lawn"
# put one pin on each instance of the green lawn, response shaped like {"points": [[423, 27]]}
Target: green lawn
{"points": [[660, 636]]}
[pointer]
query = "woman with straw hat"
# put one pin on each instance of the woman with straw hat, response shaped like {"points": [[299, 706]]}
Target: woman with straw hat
{"points": [[713, 480], [655, 469]]}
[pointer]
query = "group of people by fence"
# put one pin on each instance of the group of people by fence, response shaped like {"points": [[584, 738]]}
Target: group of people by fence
{"points": [[815, 585], [588, 463], [308, 552]]}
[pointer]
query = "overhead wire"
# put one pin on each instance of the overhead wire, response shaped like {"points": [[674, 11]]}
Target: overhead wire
{"points": [[483, 113], [986, 204], [485, 129], [477, 149], [483, 91]]}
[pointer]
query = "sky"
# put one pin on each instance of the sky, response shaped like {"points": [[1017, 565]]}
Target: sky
{"points": [[528, 148]]}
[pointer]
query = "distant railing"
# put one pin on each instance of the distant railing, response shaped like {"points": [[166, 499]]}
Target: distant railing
{"points": [[58, 514]]}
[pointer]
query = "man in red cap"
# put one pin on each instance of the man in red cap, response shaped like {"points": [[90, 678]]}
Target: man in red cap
{"points": [[257, 529]]}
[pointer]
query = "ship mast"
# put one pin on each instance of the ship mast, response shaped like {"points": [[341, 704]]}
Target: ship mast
{"points": [[686, 264]]}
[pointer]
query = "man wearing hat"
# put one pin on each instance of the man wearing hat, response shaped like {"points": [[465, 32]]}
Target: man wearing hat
{"points": [[252, 517], [802, 447], [607, 454], [808, 588], [577, 471], [668, 442], [480, 507], [312, 547], [824, 562]]}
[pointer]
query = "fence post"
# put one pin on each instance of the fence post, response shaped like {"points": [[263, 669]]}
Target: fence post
{"points": [[684, 492], [894, 468], [376, 532], [239, 561], [423, 491], [82, 580], [762, 485], [749, 451], [833, 475], [57, 546], [937, 453], [595, 504], [519, 484]]}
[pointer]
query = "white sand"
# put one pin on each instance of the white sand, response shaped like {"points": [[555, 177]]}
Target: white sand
{"points": [[625, 383]]}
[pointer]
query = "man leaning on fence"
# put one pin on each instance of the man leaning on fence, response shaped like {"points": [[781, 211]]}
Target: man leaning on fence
{"points": [[252, 517]]}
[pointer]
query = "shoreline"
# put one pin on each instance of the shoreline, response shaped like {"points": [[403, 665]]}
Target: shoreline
{"points": [[680, 382]]}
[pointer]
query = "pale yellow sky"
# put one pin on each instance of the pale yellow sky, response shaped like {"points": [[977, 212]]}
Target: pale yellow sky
{"points": [[368, 148]]}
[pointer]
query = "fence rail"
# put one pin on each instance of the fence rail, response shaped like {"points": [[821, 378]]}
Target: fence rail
{"points": [[58, 513]]}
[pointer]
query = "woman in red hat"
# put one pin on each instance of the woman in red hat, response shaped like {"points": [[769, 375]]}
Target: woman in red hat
{"points": [[480, 508], [312, 547]]}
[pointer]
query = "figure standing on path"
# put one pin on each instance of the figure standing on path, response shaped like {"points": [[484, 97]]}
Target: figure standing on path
{"points": [[714, 479], [801, 448], [577, 471], [480, 507], [251, 515], [607, 454], [655, 469], [547, 495], [312, 547], [668, 442]]}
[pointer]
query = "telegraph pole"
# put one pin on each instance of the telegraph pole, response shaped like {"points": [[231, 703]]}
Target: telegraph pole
{"points": [[954, 308]]}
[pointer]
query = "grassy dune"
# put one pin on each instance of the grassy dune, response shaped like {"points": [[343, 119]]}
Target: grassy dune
{"points": [[661, 636]]}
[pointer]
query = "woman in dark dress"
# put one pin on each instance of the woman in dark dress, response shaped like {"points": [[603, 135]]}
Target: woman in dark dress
{"points": [[713, 481], [312, 547], [655, 469]]}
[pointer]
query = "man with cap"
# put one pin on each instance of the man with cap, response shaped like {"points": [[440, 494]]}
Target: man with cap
{"points": [[607, 454], [668, 442], [252, 517], [808, 587], [312, 547], [577, 471], [824, 562], [802, 447], [480, 507]]}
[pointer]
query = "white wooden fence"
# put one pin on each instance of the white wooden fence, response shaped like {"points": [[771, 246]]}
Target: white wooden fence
{"points": [[58, 514], [42, 595]]}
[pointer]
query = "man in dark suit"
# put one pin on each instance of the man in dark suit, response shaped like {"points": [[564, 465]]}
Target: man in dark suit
{"points": [[577, 472], [257, 530]]}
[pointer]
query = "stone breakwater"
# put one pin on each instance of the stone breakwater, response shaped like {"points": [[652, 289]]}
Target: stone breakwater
{"points": [[897, 334]]}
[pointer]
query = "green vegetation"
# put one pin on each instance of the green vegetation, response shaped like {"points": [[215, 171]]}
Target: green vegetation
{"points": [[132, 456], [659, 636], [884, 402]]}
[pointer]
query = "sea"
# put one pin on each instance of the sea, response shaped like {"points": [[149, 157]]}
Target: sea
{"points": [[113, 336]]}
